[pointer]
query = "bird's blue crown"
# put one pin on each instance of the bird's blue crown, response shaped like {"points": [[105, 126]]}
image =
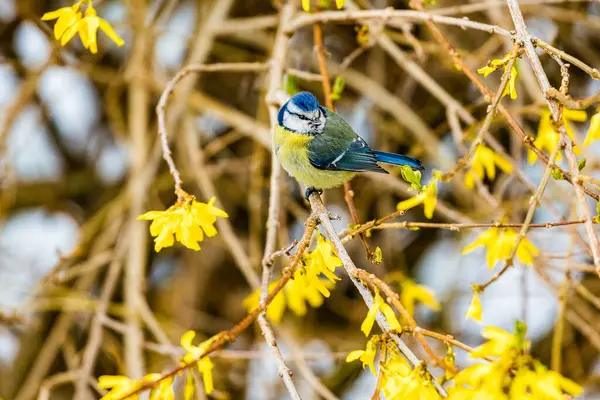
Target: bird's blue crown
{"points": [[305, 101]]}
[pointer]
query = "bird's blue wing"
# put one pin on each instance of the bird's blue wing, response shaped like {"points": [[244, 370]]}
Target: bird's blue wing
{"points": [[339, 148]]}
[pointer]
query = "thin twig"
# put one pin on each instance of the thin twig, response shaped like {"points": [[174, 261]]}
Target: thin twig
{"points": [[387, 15], [164, 98]]}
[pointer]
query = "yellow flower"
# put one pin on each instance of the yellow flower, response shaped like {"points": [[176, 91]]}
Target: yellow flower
{"points": [[88, 28], [547, 137], [498, 344], [379, 305], [427, 197], [306, 5], [66, 17], [163, 389], [412, 293], [594, 132], [185, 222], [474, 311], [484, 163], [275, 309], [304, 288], [500, 244], [339, 4], [204, 365], [71, 22], [119, 386], [414, 385], [366, 356], [493, 65], [307, 284]]}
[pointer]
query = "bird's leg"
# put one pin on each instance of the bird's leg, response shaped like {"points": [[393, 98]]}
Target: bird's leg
{"points": [[311, 190]]}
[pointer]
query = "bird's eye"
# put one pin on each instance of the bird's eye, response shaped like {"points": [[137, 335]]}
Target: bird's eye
{"points": [[302, 117]]}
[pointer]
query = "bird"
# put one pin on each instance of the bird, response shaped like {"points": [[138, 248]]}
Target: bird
{"points": [[319, 148]]}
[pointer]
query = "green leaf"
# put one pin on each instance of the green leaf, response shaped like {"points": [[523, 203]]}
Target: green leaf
{"points": [[412, 177], [378, 255], [290, 84], [581, 164], [338, 88], [557, 174]]}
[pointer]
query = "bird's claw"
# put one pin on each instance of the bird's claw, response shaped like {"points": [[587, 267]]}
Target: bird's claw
{"points": [[310, 191]]}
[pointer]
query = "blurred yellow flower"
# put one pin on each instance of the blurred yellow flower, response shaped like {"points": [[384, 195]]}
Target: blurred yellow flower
{"points": [[484, 164], [119, 386], [427, 197], [493, 65], [402, 383], [367, 356], [185, 222], [547, 137], [163, 389], [275, 309], [379, 305], [594, 132], [500, 244], [412, 293], [70, 21], [204, 364], [306, 5], [474, 311], [307, 284], [339, 4], [67, 17]]}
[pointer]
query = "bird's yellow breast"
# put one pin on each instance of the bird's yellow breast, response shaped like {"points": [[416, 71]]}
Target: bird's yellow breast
{"points": [[292, 151]]}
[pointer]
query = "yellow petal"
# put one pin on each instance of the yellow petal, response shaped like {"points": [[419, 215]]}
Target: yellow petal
{"points": [[339, 4], [186, 340], [575, 115], [410, 203], [110, 32], [69, 33], [354, 355], [474, 311], [390, 316], [503, 164], [367, 324], [594, 132], [306, 5]]}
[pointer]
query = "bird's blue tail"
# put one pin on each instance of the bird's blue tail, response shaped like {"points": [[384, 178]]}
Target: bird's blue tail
{"points": [[398, 159]]}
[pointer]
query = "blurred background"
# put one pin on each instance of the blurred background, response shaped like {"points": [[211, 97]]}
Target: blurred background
{"points": [[79, 161]]}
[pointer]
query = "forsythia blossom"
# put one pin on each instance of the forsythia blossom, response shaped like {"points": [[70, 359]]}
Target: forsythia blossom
{"points": [[547, 137], [311, 284], [121, 386], [379, 305], [186, 221], [484, 164], [500, 243], [474, 311], [204, 364], [367, 356], [594, 131], [413, 292], [512, 375], [493, 65], [70, 22], [427, 197], [397, 380]]}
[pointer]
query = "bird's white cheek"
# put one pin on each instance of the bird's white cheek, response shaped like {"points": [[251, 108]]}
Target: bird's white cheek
{"points": [[295, 124]]}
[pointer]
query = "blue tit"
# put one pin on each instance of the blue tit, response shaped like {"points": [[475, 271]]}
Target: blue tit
{"points": [[318, 148]]}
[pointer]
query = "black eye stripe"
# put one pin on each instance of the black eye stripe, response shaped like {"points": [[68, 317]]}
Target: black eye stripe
{"points": [[299, 116]]}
